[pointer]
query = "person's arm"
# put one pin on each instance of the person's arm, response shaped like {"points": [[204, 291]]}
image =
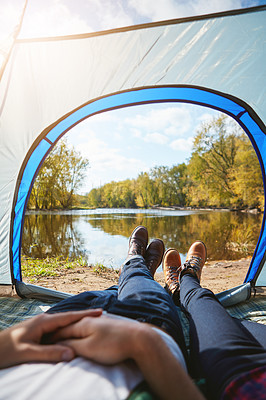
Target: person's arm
{"points": [[110, 341], [22, 342]]}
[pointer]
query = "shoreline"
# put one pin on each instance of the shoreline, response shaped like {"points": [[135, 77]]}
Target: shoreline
{"points": [[168, 208], [216, 275], [221, 209]]}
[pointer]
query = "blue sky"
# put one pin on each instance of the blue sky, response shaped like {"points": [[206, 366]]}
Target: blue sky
{"points": [[121, 143]]}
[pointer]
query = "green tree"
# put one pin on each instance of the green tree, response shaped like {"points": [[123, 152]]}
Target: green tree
{"points": [[246, 176], [211, 163], [94, 198], [171, 185], [145, 190], [59, 178]]}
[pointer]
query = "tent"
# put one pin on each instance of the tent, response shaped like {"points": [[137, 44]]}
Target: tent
{"points": [[49, 85]]}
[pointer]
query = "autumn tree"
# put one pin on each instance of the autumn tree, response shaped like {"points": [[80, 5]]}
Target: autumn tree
{"points": [[246, 176], [59, 178], [145, 190], [170, 184], [211, 163]]}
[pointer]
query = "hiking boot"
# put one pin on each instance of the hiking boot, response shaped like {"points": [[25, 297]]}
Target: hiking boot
{"points": [[171, 270], [154, 255], [138, 242], [196, 257]]}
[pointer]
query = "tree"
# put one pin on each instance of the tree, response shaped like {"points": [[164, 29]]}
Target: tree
{"points": [[59, 178], [246, 176], [211, 163], [145, 190], [171, 184]]}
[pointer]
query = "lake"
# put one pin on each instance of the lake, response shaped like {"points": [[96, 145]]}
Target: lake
{"points": [[101, 235]]}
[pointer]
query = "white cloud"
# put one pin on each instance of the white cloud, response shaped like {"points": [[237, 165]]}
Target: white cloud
{"points": [[182, 144], [136, 133], [155, 137], [106, 162], [205, 117], [202, 119], [170, 121]]}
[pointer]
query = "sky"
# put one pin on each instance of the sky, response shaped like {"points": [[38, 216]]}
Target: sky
{"points": [[120, 144]]}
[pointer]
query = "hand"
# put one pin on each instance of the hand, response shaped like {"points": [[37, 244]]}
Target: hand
{"points": [[107, 340], [22, 342]]}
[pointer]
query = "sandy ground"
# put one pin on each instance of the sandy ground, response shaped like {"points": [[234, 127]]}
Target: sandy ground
{"points": [[216, 275]]}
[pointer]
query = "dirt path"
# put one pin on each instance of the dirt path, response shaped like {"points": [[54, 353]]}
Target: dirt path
{"points": [[216, 275]]}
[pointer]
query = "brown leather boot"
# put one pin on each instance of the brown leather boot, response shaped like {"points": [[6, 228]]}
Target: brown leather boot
{"points": [[196, 257], [154, 255], [138, 242], [171, 270]]}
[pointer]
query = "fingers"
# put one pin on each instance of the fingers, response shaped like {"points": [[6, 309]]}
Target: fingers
{"points": [[49, 353], [76, 330], [80, 347], [51, 322]]}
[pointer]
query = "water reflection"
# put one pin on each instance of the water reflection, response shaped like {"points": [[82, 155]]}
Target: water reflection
{"points": [[102, 235]]}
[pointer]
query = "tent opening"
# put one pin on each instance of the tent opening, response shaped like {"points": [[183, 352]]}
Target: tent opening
{"points": [[49, 138]]}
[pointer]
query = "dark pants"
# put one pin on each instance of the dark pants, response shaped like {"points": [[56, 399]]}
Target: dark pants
{"points": [[137, 296], [222, 348]]}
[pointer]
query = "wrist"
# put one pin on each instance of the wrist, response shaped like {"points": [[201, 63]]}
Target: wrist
{"points": [[143, 340], [8, 351]]}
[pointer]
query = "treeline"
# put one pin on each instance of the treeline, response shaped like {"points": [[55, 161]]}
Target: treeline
{"points": [[223, 171]]}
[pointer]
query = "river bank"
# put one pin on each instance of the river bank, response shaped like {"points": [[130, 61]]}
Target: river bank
{"points": [[177, 208], [77, 278], [155, 207]]}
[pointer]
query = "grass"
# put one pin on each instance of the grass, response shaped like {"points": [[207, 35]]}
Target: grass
{"points": [[49, 266], [100, 269], [242, 241], [54, 266]]}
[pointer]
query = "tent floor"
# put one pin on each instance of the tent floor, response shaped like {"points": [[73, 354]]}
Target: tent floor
{"points": [[14, 310]]}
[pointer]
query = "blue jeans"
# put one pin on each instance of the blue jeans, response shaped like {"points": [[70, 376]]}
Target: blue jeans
{"points": [[137, 296], [222, 348]]}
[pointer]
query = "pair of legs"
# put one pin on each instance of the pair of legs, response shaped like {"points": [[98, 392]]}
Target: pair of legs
{"points": [[137, 296], [222, 348]]}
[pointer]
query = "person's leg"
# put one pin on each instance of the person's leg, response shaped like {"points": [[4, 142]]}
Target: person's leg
{"points": [[221, 348], [139, 295], [101, 298], [255, 329], [147, 301], [93, 299]]}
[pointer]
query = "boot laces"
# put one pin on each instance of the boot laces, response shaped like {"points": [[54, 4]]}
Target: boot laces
{"points": [[193, 263], [173, 276]]}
